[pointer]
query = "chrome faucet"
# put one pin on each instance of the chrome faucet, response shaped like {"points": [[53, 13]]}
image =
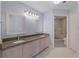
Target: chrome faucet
{"points": [[18, 37]]}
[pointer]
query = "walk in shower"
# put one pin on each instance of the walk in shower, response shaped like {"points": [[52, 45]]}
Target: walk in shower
{"points": [[60, 30]]}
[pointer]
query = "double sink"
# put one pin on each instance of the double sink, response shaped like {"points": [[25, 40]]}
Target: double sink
{"points": [[20, 41]]}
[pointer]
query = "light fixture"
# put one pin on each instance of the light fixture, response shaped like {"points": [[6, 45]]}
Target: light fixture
{"points": [[27, 12], [33, 15], [30, 13], [56, 2]]}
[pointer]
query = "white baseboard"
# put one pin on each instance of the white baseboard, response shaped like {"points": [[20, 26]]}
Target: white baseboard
{"points": [[73, 50]]}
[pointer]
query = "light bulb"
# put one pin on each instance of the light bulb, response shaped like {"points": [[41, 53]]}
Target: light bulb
{"points": [[33, 15], [30, 13], [56, 2], [27, 12]]}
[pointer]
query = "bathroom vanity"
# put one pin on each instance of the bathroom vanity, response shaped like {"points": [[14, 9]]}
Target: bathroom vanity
{"points": [[16, 23], [26, 47]]}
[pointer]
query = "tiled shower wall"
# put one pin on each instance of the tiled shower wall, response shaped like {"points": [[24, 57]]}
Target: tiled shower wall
{"points": [[60, 28]]}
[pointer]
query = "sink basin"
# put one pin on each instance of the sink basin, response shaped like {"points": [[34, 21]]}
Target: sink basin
{"points": [[19, 41], [42, 36]]}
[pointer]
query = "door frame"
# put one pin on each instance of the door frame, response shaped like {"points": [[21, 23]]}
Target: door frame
{"points": [[67, 24]]}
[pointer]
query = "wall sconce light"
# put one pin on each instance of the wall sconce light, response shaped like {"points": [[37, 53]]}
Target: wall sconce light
{"points": [[30, 14]]}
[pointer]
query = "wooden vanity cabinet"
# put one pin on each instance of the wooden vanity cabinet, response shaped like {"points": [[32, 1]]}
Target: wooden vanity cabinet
{"points": [[36, 47], [31, 49], [44, 43], [26, 50], [39, 45], [13, 52]]}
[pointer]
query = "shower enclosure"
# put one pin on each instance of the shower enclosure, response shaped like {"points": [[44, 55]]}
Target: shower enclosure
{"points": [[60, 31]]}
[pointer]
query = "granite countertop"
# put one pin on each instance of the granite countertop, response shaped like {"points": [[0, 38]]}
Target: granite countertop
{"points": [[10, 43]]}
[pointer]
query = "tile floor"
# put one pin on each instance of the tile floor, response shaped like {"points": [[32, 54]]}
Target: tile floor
{"points": [[59, 43], [59, 52]]}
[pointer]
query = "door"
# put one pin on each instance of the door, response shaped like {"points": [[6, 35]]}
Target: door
{"points": [[60, 31]]}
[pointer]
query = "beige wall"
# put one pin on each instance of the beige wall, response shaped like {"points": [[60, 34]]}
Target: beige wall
{"points": [[60, 27], [72, 29]]}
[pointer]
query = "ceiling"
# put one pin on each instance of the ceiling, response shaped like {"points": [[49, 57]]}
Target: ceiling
{"points": [[44, 6]]}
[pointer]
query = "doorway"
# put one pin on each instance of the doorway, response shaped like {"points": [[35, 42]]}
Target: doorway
{"points": [[60, 31]]}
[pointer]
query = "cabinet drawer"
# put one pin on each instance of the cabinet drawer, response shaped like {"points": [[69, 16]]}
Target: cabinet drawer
{"points": [[13, 52]]}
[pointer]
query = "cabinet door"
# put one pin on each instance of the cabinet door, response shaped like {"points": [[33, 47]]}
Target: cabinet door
{"points": [[46, 42], [27, 50], [36, 47], [43, 43], [13, 52]]}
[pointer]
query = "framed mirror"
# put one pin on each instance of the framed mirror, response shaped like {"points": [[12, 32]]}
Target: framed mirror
{"points": [[14, 24]]}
